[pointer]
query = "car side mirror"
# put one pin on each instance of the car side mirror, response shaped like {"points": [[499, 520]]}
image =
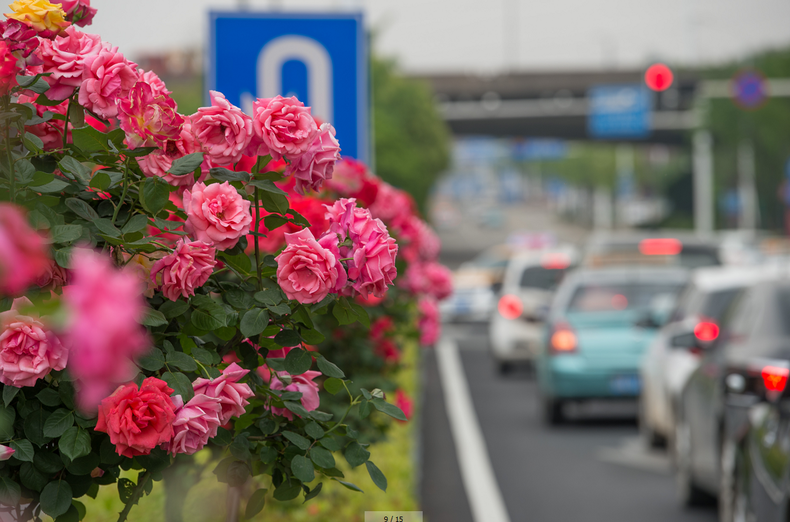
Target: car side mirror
{"points": [[496, 287], [684, 340], [647, 322]]}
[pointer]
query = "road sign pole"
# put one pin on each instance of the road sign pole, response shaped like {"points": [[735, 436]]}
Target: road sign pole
{"points": [[746, 188], [602, 209], [703, 182]]}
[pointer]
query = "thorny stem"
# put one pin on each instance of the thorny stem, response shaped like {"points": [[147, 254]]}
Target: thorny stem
{"points": [[138, 491], [257, 168], [123, 194]]}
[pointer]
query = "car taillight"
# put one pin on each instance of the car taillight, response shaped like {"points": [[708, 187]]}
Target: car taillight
{"points": [[664, 246], [775, 378], [510, 306], [706, 331], [563, 340]]}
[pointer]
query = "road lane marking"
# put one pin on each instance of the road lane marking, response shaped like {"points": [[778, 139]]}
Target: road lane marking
{"points": [[482, 490]]}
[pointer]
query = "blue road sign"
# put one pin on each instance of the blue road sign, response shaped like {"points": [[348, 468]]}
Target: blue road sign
{"points": [[749, 89], [619, 111], [319, 58]]}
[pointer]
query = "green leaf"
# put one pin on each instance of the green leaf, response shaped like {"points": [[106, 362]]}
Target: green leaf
{"points": [[31, 477], [344, 313], [69, 165], [287, 338], [56, 498], [364, 409], [66, 233], [152, 362], [105, 226], [186, 164], [298, 361], [276, 203], [303, 468], [297, 440], [155, 194], [49, 397], [23, 450], [273, 221], [333, 385], [287, 491], [377, 476], [57, 423], [349, 485], [9, 392], [268, 186], [329, 369], [137, 223], [9, 492], [34, 427], [314, 493], [181, 385], [223, 437], [101, 181], [322, 457], [240, 262], [125, 490], [355, 454], [154, 318], [222, 174], [362, 314], [37, 84], [172, 309], [206, 321], [75, 443], [296, 407], [89, 139], [7, 417], [181, 361], [330, 444], [74, 514], [139, 151], [268, 297], [255, 503], [56, 185], [312, 336], [25, 171], [48, 462], [240, 448], [390, 409], [314, 430], [202, 355], [254, 322]]}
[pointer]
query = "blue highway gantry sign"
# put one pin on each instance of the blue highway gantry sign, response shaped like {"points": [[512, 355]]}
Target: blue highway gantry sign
{"points": [[619, 111], [319, 58]]}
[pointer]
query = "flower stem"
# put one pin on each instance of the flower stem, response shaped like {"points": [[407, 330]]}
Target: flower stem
{"points": [[66, 126], [138, 491], [9, 157], [255, 170], [123, 194]]}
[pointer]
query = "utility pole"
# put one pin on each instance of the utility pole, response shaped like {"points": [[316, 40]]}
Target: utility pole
{"points": [[747, 220], [703, 182]]}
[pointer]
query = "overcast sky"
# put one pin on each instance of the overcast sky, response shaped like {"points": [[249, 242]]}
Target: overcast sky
{"points": [[489, 36]]}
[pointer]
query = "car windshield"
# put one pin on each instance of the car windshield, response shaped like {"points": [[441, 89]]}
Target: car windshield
{"points": [[717, 303], [613, 296], [541, 278]]}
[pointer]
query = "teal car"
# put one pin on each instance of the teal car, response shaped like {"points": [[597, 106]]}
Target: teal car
{"points": [[600, 323]]}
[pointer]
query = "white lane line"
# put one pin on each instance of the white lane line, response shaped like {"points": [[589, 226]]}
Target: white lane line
{"points": [[480, 484]]}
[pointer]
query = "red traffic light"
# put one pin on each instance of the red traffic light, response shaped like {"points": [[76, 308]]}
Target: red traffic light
{"points": [[658, 77]]}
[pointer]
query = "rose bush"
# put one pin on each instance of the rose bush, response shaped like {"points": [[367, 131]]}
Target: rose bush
{"points": [[154, 314]]}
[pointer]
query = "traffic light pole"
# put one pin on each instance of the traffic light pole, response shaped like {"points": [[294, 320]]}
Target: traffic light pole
{"points": [[703, 182]]}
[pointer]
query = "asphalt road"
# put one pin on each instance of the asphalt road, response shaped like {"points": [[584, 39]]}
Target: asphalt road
{"points": [[592, 469]]}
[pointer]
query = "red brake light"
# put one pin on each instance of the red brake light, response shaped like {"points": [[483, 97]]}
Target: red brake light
{"points": [[563, 340], [619, 302], [660, 247], [555, 261], [706, 331], [510, 306], [775, 378]]}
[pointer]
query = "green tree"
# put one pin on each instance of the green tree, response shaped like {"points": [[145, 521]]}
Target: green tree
{"points": [[412, 143]]}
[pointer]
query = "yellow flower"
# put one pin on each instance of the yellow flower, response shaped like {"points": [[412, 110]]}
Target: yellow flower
{"points": [[46, 18]]}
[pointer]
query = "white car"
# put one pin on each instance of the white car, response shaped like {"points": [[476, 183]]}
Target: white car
{"points": [[516, 326], [675, 352]]}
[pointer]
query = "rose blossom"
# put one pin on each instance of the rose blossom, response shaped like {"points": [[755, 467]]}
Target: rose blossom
{"points": [[352, 179], [231, 393], [20, 37], [316, 164], [283, 127], [403, 402], [28, 350], [428, 322], [137, 421], [160, 161], [50, 132], [6, 452], [141, 265], [64, 57], [223, 129], [148, 120], [187, 268], [306, 270], [23, 253], [153, 79], [309, 207], [106, 77], [299, 383], [46, 18], [54, 277], [79, 12], [8, 69], [217, 214], [105, 305], [391, 203], [372, 252], [196, 422], [429, 278]]}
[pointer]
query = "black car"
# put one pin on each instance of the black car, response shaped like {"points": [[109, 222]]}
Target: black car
{"points": [[713, 411]]}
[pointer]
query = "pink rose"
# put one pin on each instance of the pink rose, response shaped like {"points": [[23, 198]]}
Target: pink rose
{"points": [[217, 214], [429, 321], [372, 266], [65, 57], [106, 77], [298, 383], [141, 265], [28, 350], [79, 12], [187, 268], [196, 422], [223, 129], [105, 306], [54, 277], [23, 253], [422, 243], [307, 271], [429, 278], [6, 452], [160, 161], [137, 421], [316, 164], [8, 69], [19, 37], [391, 203], [403, 402], [50, 132], [283, 127], [231, 393], [153, 79], [148, 120]]}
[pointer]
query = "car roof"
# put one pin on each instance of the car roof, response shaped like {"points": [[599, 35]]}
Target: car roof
{"points": [[631, 273], [712, 279]]}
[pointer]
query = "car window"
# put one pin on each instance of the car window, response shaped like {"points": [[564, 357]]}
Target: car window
{"points": [[715, 304], [541, 278], [603, 297], [696, 257], [784, 311], [744, 316], [687, 302]]}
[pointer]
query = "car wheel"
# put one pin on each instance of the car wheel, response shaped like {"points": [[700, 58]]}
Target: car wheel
{"points": [[688, 492], [648, 434], [552, 411]]}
